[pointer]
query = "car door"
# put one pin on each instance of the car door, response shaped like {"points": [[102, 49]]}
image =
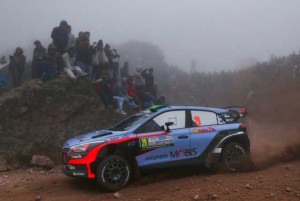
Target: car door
{"points": [[204, 127], [158, 146]]}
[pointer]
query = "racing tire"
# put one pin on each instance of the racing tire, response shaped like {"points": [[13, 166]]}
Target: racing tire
{"points": [[113, 173], [234, 158]]}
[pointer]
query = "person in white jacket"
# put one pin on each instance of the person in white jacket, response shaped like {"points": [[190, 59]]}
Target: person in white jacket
{"points": [[99, 60], [70, 69]]}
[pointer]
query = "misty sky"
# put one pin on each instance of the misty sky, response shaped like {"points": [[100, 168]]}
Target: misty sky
{"points": [[218, 34]]}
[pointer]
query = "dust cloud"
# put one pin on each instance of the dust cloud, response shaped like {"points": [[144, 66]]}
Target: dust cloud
{"points": [[272, 142]]}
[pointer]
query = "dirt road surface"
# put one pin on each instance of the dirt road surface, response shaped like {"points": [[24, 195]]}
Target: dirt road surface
{"points": [[277, 182]]}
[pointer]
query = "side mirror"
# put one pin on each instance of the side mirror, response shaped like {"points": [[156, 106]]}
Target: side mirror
{"points": [[167, 125]]}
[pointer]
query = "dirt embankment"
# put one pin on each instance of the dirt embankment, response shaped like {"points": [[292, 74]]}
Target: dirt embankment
{"points": [[37, 119]]}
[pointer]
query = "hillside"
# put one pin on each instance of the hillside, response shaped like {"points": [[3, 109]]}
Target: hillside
{"points": [[37, 119]]}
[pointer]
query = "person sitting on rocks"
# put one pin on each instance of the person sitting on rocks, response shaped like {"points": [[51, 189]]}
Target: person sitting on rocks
{"points": [[51, 64], [74, 72], [103, 88], [109, 95], [122, 98]]}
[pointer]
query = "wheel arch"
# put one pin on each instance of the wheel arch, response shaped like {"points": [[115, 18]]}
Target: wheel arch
{"points": [[241, 139], [117, 149]]}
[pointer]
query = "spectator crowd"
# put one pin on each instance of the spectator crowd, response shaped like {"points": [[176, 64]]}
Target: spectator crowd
{"points": [[79, 59]]}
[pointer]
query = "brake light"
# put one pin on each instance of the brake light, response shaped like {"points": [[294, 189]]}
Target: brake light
{"points": [[243, 127], [243, 112]]}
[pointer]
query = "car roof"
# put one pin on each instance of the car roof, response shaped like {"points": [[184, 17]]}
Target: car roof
{"points": [[185, 107]]}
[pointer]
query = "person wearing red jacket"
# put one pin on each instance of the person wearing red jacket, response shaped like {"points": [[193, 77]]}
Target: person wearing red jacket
{"points": [[131, 90]]}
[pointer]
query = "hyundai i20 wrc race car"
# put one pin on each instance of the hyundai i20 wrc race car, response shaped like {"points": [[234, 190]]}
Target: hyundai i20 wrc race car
{"points": [[159, 137]]}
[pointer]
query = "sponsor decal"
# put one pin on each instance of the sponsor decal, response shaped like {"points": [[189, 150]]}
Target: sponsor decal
{"points": [[156, 157], [156, 141], [131, 143], [203, 130], [183, 153]]}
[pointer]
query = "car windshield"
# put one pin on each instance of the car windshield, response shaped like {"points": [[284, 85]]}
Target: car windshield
{"points": [[131, 121]]}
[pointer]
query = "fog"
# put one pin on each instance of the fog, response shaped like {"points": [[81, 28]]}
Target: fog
{"points": [[218, 35]]}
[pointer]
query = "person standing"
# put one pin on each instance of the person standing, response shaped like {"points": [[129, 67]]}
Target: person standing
{"points": [[124, 72], [85, 56], [38, 54], [149, 82], [99, 60], [139, 81], [71, 38], [60, 37], [115, 64], [108, 54], [17, 66]]}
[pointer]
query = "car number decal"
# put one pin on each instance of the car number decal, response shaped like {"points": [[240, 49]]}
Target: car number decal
{"points": [[156, 141], [197, 121]]}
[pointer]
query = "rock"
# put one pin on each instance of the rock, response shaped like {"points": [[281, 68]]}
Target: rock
{"points": [[287, 167], [42, 161], [117, 195], [4, 167], [29, 171], [213, 197], [248, 186], [38, 198], [197, 197], [288, 189], [3, 183], [177, 188]]}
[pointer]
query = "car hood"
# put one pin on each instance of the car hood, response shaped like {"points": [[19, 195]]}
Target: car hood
{"points": [[105, 135]]}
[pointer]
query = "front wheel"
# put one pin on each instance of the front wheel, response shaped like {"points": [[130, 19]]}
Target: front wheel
{"points": [[234, 157], [113, 173]]}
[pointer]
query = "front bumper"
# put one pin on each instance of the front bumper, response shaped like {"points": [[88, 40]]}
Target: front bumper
{"points": [[80, 167], [76, 170]]}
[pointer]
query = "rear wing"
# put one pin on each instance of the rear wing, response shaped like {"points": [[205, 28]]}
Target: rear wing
{"points": [[237, 112]]}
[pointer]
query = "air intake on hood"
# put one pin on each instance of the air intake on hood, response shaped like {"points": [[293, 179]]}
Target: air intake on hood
{"points": [[102, 134]]}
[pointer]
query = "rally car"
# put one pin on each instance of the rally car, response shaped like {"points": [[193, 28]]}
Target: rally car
{"points": [[159, 137]]}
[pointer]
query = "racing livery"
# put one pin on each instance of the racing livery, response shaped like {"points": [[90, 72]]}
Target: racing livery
{"points": [[159, 137]]}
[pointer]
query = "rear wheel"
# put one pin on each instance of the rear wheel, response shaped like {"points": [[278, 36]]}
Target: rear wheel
{"points": [[113, 173], [234, 157]]}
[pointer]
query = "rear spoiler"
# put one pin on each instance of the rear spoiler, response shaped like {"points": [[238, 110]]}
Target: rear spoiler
{"points": [[237, 112]]}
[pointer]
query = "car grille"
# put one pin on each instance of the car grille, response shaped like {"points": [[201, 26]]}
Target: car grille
{"points": [[65, 158]]}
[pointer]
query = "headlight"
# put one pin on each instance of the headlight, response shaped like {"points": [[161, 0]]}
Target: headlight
{"points": [[86, 147]]}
